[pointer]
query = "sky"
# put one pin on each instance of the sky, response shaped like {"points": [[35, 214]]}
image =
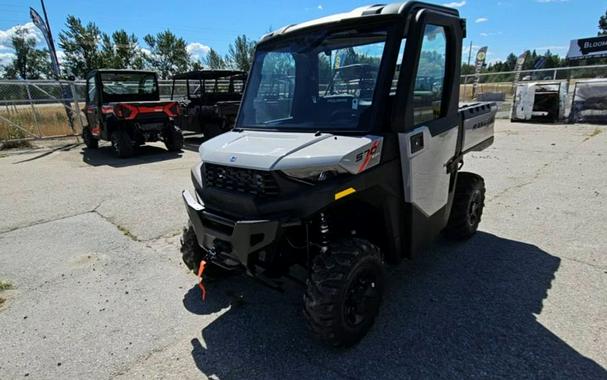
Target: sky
{"points": [[503, 25]]}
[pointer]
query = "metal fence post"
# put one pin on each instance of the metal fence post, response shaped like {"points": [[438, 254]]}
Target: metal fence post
{"points": [[34, 115], [75, 98]]}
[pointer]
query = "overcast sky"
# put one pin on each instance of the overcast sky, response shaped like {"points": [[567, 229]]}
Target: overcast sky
{"points": [[503, 25]]}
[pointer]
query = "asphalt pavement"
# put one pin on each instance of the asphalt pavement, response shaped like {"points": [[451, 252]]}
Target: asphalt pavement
{"points": [[90, 244]]}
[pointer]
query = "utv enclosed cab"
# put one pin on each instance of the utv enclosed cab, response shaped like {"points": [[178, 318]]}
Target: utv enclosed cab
{"points": [[211, 99], [124, 107], [353, 163]]}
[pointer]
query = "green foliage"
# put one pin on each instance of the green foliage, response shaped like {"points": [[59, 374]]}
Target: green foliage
{"points": [[603, 25], [121, 51], [169, 54], [197, 65], [5, 285], [29, 62], [80, 45], [214, 61], [240, 54]]}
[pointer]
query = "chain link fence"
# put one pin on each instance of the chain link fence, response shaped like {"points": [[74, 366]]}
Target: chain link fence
{"points": [[37, 109]]}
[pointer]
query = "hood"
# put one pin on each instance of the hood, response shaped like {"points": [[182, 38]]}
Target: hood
{"points": [[262, 150]]}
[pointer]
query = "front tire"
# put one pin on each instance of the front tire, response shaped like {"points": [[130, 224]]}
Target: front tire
{"points": [[173, 139], [468, 205], [122, 144], [344, 292], [89, 140], [192, 254]]}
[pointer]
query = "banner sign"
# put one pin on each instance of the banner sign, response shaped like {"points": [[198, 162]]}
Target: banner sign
{"points": [[595, 47], [66, 92], [481, 57], [39, 22]]}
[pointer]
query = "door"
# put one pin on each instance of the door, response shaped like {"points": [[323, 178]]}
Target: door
{"points": [[429, 134], [92, 107]]}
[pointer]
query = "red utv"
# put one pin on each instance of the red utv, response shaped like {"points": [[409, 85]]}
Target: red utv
{"points": [[124, 107]]}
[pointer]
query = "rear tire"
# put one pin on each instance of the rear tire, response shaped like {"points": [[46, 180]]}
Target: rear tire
{"points": [[122, 144], [173, 139], [467, 209], [89, 140], [344, 292]]}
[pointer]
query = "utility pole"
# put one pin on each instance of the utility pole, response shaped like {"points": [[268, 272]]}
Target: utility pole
{"points": [[470, 54], [469, 62]]}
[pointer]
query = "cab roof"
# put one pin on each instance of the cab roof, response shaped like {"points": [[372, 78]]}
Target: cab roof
{"points": [[370, 11], [94, 72]]}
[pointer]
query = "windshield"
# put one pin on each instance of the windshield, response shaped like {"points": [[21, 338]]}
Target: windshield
{"points": [[322, 81], [129, 86]]}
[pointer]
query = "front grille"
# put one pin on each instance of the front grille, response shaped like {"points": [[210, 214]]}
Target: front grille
{"points": [[247, 181]]}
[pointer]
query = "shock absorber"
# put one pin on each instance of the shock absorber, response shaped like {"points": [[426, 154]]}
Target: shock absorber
{"points": [[324, 232]]}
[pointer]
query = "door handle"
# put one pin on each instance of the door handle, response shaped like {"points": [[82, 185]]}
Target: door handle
{"points": [[417, 142]]}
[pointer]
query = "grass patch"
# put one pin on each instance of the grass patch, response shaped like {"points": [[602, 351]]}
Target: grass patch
{"points": [[5, 285], [48, 120]]}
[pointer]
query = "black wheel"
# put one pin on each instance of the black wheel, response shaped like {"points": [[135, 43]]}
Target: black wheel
{"points": [[122, 144], [89, 140], [173, 139], [344, 292], [467, 209], [192, 254]]}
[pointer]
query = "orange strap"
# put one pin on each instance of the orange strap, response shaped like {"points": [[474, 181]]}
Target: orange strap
{"points": [[200, 284]]}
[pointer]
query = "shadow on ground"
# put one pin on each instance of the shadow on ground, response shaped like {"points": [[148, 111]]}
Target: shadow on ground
{"points": [[146, 154], [192, 141], [461, 311]]}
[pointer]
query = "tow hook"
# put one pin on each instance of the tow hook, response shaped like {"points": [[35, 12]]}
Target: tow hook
{"points": [[203, 290]]}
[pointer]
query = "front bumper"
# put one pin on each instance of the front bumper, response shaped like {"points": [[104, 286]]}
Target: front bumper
{"points": [[227, 240]]}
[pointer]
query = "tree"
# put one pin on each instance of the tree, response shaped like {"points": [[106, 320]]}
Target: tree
{"points": [[197, 65], [80, 45], [121, 51], [214, 61], [29, 62], [603, 25], [240, 54], [169, 54]]}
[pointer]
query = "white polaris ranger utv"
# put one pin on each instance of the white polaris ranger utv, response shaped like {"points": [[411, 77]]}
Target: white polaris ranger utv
{"points": [[345, 157]]}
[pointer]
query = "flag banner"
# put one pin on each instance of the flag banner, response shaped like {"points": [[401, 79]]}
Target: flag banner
{"points": [[40, 24], [66, 92], [481, 57]]}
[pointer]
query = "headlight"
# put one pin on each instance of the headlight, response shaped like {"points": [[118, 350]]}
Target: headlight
{"points": [[314, 175]]}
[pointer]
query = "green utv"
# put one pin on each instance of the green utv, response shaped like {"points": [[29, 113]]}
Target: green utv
{"points": [[345, 158]]}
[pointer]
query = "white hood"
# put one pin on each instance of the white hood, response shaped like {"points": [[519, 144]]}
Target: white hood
{"points": [[287, 150]]}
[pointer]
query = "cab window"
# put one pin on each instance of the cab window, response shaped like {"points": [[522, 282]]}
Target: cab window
{"points": [[430, 78]]}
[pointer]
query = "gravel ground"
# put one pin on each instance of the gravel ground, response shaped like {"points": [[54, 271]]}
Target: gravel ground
{"points": [[90, 245]]}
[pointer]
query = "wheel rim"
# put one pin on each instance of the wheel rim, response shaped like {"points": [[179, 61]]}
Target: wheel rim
{"points": [[362, 298], [475, 208]]}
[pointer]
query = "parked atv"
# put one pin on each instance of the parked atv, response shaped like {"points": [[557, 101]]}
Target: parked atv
{"points": [[124, 107], [211, 100], [353, 167]]}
